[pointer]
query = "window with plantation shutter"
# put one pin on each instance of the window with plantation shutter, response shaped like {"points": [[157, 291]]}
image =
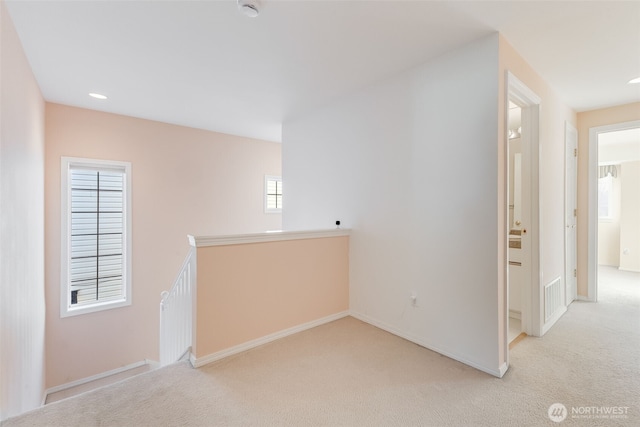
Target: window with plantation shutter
{"points": [[96, 249], [272, 194]]}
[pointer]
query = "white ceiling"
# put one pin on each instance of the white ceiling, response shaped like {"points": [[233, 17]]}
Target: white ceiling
{"points": [[203, 64]]}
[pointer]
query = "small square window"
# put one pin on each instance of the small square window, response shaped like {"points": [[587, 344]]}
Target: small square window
{"points": [[272, 194]]}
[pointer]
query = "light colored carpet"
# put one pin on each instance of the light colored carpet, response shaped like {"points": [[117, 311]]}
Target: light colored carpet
{"points": [[348, 373]]}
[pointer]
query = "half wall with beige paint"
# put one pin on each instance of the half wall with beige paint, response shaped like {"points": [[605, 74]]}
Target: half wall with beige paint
{"points": [[249, 291], [184, 181]]}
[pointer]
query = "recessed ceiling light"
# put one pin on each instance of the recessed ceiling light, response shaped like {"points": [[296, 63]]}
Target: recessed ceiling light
{"points": [[636, 80], [97, 96]]}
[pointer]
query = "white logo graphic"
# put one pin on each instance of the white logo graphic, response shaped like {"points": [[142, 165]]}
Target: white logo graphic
{"points": [[557, 412]]}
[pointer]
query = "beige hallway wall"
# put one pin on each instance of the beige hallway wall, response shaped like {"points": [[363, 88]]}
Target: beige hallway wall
{"points": [[248, 291]]}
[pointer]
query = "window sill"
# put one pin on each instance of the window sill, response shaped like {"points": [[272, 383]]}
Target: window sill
{"points": [[606, 220], [76, 311]]}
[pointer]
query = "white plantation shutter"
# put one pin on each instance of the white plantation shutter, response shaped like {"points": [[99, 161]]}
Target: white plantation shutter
{"points": [[273, 194], [97, 245], [96, 236]]}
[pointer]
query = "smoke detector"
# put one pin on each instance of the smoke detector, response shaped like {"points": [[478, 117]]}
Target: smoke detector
{"points": [[250, 8]]}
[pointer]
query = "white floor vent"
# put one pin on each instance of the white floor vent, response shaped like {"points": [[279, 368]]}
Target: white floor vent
{"points": [[552, 298]]}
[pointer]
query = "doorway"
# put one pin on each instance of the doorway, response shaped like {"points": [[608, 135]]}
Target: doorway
{"points": [[518, 248], [523, 289], [614, 200]]}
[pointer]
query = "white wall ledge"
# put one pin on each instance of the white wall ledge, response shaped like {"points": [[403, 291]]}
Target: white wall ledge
{"points": [[269, 236]]}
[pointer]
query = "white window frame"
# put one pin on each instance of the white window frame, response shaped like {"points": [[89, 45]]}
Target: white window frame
{"points": [[67, 163], [268, 178]]}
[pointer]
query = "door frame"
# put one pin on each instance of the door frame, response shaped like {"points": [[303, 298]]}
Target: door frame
{"points": [[571, 190], [592, 233], [530, 103]]}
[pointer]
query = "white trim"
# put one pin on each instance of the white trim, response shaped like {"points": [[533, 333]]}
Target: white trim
{"points": [[556, 316], [269, 236], [495, 372], [65, 218], [514, 314], [153, 364], [201, 361], [570, 189], [592, 220], [520, 92], [503, 369]]}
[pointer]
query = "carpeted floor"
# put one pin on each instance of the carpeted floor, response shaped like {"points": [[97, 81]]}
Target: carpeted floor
{"points": [[348, 373]]}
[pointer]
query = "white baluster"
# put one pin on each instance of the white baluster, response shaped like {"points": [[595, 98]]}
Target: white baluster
{"points": [[175, 315]]}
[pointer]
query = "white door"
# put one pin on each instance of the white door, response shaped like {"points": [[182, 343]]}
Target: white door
{"points": [[571, 203], [527, 227]]}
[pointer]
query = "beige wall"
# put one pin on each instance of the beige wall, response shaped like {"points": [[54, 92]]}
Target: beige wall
{"points": [[22, 228], [630, 217], [587, 120], [184, 181], [248, 291]]}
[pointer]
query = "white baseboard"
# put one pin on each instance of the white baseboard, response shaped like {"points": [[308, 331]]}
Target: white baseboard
{"points": [[495, 372], [514, 314], [201, 361], [152, 363], [503, 369], [545, 328]]}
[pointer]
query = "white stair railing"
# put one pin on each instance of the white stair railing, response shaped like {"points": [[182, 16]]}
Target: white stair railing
{"points": [[176, 308]]}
